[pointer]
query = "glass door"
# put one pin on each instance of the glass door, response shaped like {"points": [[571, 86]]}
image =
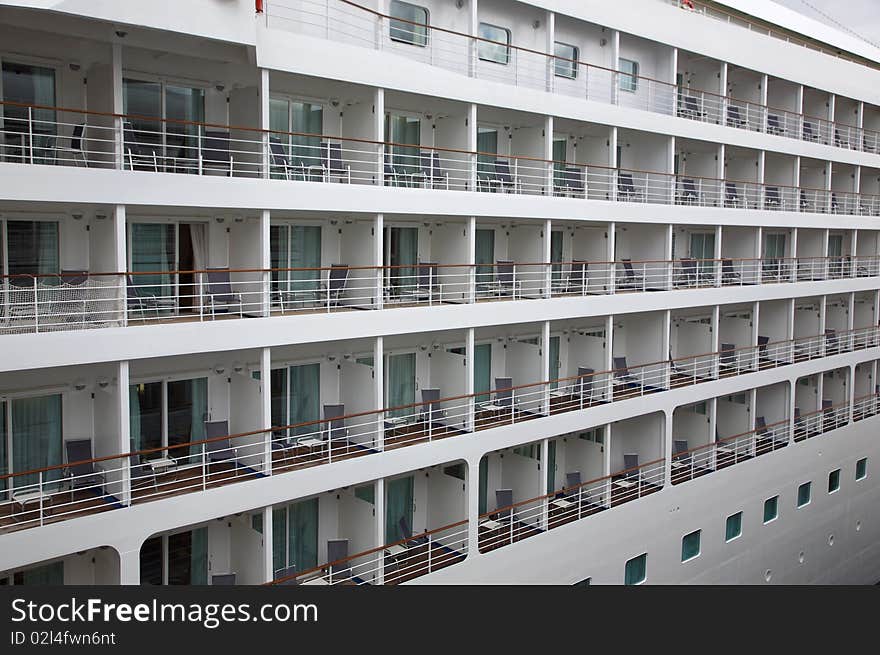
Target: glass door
{"points": [[401, 254], [304, 397], [485, 257], [487, 149], [398, 505], [556, 244], [31, 85], [33, 434], [187, 412], [153, 251], [482, 371], [559, 158], [32, 248], [295, 536], [554, 362], [404, 133], [401, 382], [703, 250]]}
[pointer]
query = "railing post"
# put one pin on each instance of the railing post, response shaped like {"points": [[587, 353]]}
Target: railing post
{"points": [[204, 468], [31, 134], [40, 492], [36, 305], [199, 146]]}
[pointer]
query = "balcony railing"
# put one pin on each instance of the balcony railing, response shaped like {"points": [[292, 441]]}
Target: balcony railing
{"points": [[349, 22], [102, 140], [391, 564], [80, 300], [56, 493]]}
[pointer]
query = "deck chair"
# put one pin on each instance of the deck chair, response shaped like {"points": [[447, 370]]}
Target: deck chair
{"points": [[578, 280], [337, 279], [732, 197], [220, 450], [80, 472], [829, 421], [680, 455], [431, 411], [392, 177], [774, 125], [218, 292], [504, 499], [406, 533], [760, 426], [215, 152], [728, 274], [332, 164], [734, 118], [762, 346], [279, 159], [504, 392], [431, 172], [805, 204], [630, 468], [835, 204], [585, 383], [139, 473], [138, 153], [570, 492], [691, 108], [688, 276], [287, 576], [569, 181], [772, 199], [334, 423], [505, 283], [630, 279], [626, 188], [74, 149], [337, 549], [809, 134], [727, 357], [428, 282], [840, 140], [622, 375], [687, 193], [504, 179], [832, 343]]}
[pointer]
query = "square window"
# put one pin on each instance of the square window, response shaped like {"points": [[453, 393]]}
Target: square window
{"points": [[862, 469], [771, 509], [690, 546], [834, 481], [629, 75], [636, 570], [733, 527], [408, 24], [565, 64], [804, 492], [494, 44]]}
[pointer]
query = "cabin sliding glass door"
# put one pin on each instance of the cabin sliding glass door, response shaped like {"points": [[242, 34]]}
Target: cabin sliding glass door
{"points": [[295, 536], [296, 398], [404, 134], [175, 559], [296, 247], [153, 252], [31, 248], [401, 255], [31, 432], [298, 127], [27, 134], [398, 505], [482, 371], [401, 383], [703, 250], [554, 362], [168, 413], [484, 257]]}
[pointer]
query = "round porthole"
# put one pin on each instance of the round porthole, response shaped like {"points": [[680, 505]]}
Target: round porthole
{"points": [[830, 539], [767, 575], [801, 557]]}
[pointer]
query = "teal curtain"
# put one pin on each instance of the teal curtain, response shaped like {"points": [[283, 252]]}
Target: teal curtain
{"points": [[482, 371], [402, 246], [551, 467], [405, 132], [278, 390], [554, 361], [198, 572], [184, 104], [279, 236], [148, 428], [279, 538], [703, 249], [153, 247], [199, 412], [559, 148], [305, 396], [484, 256], [302, 534], [305, 252], [556, 254], [4, 465], [187, 413], [32, 247], [401, 382], [134, 417], [141, 98], [398, 503], [36, 437], [306, 119], [47, 575], [484, 483], [487, 142]]}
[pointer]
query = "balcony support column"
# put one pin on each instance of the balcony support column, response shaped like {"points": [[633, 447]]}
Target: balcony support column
{"points": [[266, 261], [265, 124], [545, 368], [756, 329], [268, 541], [469, 350], [130, 566], [667, 448], [379, 134], [379, 496], [547, 259], [712, 411], [544, 475], [609, 358], [851, 392], [471, 123], [378, 257], [472, 259], [718, 267], [611, 235], [548, 155], [822, 322], [123, 428], [379, 390], [793, 254], [120, 260], [550, 45], [118, 105], [473, 506], [665, 338], [266, 406]]}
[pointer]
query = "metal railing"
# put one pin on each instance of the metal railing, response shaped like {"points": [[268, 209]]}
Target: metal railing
{"points": [[80, 300], [349, 22], [390, 564], [55, 493]]}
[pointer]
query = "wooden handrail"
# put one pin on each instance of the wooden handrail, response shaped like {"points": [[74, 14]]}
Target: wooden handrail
{"points": [[377, 412]]}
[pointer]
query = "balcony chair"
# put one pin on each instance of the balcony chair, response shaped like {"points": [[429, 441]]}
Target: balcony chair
{"points": [[727, 358], [74, 149], [577, 280], [570, 181], [138, 153], [138, 301], [218, 292], [626, 188], [570, 492], [431, 411], [392, 176], [774, 125], [287, 576], [504, 179], [140, 473], [504, 282], [829, 420], [688, 275], [426, 285], [799, 427], [630, 280], [840, 140], [503, 393], [762, 347], [805, 204], [585, 382], [622, 375], [681, 458], [835, 204], [332, 164], [80, 472], [280, 160], [219, 450], [690, 108], [728, 274], [337, 279], [334, 424], [687, 193], [406, 533], [772, 199], [337, 549], [771, 269], [809, 134], [735, 119], [732, 197], [832, 343], [504, 512], [215, 153], [431, 172], [630, 475]]}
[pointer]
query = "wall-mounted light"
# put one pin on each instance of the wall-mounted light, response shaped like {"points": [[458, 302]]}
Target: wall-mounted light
{"points": [[459, 4], [237, 367], [220, 219], [536, 23], [103, 383], [121, 34], [219, 369], [220, 88], [331, 358], [79, 385], [77, 216]]}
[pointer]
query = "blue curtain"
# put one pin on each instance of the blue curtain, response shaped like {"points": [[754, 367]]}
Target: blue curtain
{"points": [[485, 256], [36, 437], [401, 382], [305, 396], [303, 534], [306, 118], [487, 142], [398, 504], [198, 571], [402, 246], [556, 254], [482, 371]]}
